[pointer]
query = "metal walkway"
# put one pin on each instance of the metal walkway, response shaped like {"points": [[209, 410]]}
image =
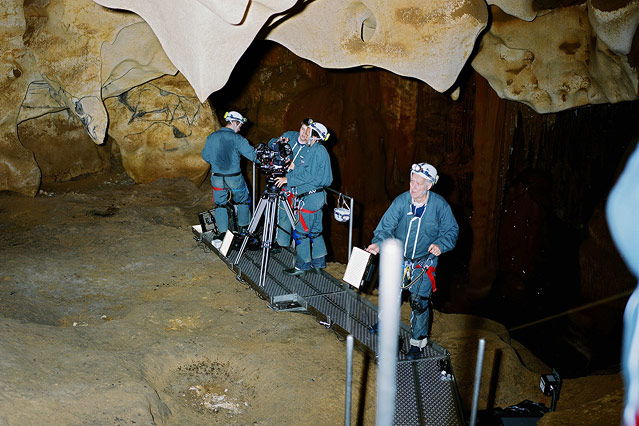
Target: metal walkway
{"points": [[426, 388]]}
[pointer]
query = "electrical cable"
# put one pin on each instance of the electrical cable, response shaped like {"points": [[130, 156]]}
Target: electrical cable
{"points": [[573, 310]]}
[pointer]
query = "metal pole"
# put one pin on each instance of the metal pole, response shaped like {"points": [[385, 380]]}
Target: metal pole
{"points": [[478, 367], [350, 230], [389, 284], [349, 379], [253, 197]]}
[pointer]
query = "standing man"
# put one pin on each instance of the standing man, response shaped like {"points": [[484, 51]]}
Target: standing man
{"points": [[297, 141], [222, 150], [424, 223], [307, 177]]}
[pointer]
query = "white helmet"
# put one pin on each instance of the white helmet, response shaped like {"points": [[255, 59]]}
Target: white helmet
{"points": [[320, 130], [234, 116], [425, 170]]}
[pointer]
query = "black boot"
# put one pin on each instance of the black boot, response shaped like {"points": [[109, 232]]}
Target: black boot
{"points": [[414, 353]]}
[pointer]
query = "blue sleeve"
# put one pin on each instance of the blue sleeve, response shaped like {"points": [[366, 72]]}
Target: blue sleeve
{"points": [[206, 151], [389, 222], [245, 148], [448, 229]]}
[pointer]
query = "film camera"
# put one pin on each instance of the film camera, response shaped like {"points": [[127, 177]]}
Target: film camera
{"points": [[274, 160]]}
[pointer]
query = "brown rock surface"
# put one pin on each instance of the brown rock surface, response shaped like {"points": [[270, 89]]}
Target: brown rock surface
{"points": [[57, 56], [18, 169], [556, 61], [160, 128]]}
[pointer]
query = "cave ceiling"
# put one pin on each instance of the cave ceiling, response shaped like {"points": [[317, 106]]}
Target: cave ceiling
{"points": [[70, 57]]}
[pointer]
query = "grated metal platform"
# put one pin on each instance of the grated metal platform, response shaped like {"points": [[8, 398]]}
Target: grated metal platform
{"points": [[426, 389]]}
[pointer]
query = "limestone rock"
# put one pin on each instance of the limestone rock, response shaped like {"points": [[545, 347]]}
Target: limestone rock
{"points": [[428, 40], [18, 169], [160, 128], [62, 158], [200, 36], [553, 63], [524, 10], [65, 38], [615, 26], [62, 57], [134, 57]]}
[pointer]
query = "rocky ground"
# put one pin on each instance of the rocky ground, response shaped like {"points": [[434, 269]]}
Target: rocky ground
{"points": [[111, 314]]}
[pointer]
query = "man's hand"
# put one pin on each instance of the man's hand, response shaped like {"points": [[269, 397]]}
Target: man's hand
{"points": [[373, 248], [291, 166], [434, 249], [280, 181]]}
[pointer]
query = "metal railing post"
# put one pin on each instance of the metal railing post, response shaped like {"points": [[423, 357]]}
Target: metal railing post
{"points": [[253, 197], [477, 384], [350, 229], [349, 379]]}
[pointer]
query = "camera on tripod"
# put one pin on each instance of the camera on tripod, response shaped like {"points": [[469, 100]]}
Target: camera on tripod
{"points": [[274, 161]]}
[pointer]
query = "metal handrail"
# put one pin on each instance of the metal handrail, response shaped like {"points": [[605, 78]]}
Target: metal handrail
{"points": [[350, 217]]}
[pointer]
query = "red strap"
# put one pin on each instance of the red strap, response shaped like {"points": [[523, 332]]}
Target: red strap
{"points": [[216, 189], [431, 274], [290, 197], [302, 221]]}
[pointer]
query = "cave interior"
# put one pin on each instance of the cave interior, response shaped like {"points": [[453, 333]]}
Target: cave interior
{"points": [[547, 263]]}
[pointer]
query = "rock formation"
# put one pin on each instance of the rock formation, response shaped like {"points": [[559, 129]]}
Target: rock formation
{"points": [[428, 40], [560, 60], [160, 128], [62, 60]]}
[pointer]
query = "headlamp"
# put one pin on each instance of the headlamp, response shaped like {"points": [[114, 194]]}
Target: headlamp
{"points": [[321, 130], [422, 168], [234, 116]]}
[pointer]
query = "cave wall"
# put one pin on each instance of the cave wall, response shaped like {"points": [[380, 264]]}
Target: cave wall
{"points": [[527, 189], [61, 61]]}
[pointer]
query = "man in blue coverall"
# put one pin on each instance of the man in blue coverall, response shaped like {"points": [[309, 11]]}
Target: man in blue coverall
{"points": [[297, 142], [222, 150], [307, 177], [423, 221]]}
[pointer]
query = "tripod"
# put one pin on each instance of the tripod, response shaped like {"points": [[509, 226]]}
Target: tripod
{"points": [[267, 207]]}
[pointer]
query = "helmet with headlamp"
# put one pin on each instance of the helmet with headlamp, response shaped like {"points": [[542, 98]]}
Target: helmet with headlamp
{"points": [[320, 130], [234, 116], [425, 170]]}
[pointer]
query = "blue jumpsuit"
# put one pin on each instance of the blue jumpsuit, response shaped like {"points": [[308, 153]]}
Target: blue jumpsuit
{"points": [[417, 229], [222, 150], [312, 172], [283, 223]]}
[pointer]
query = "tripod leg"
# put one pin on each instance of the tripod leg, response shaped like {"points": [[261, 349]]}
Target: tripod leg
{"points": [[269, 226], [251, 228], [289, 212]]}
